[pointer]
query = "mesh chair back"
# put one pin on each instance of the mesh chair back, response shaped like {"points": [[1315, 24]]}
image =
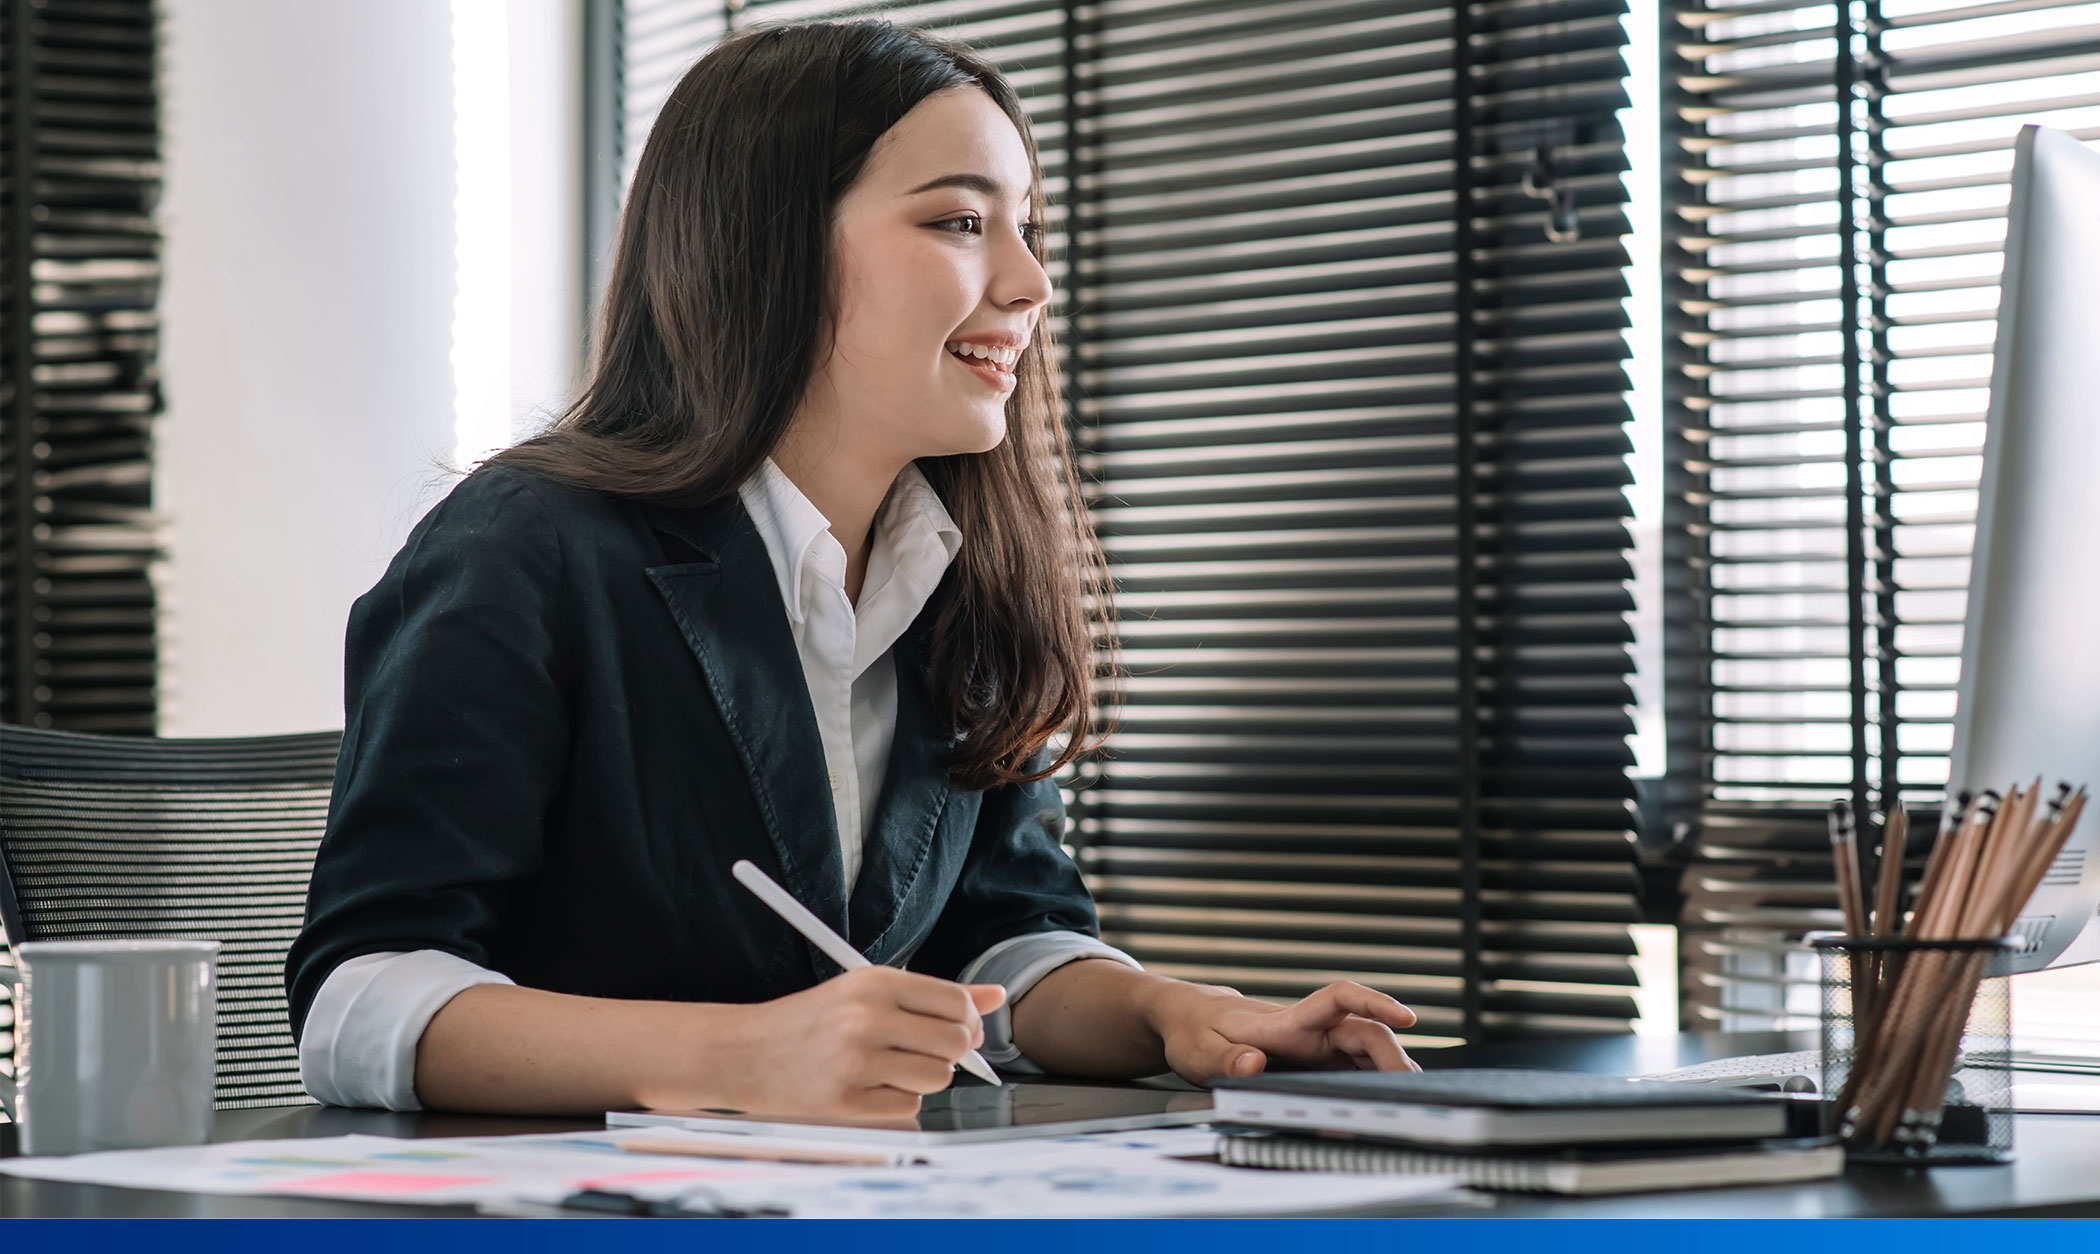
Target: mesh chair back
{"points": [[112, 836]]}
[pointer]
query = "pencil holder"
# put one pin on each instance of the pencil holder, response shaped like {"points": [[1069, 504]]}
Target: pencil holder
{"points": [[1917, 1048]]}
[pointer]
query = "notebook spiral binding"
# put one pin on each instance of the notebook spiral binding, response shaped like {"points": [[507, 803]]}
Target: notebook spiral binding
{"points": [[1307, 1154]]}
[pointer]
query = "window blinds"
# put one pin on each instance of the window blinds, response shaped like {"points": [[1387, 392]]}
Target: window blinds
{"points": [[1830, 304], [79, 277], [1271, 286], [1262, 277]]}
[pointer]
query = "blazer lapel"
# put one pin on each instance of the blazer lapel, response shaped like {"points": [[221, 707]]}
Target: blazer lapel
{"points": [[728, 608], [915, 792]]}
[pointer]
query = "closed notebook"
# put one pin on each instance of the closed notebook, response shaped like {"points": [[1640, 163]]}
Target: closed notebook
{"points": [[1486, 1108], [1574, 1172]]}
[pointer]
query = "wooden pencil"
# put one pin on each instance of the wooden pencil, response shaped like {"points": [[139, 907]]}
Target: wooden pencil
{"points": [[1844, 854], [1895, 838], [1952, 821], [1888, 887]]}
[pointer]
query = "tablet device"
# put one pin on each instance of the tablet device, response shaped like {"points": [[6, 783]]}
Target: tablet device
{"points": [[958, 1115]]}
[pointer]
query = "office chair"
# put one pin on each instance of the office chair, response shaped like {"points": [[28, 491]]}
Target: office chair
{"points": [[118, 836]]}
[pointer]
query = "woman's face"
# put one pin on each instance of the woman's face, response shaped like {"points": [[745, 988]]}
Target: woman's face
{"points": [[932, 260]]}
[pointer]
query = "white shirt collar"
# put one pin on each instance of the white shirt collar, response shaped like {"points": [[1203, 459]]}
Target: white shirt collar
{"points": [[915, 540], [789, 523]]}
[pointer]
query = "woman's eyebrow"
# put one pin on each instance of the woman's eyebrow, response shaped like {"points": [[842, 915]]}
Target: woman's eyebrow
{"points": [[969, 182]]}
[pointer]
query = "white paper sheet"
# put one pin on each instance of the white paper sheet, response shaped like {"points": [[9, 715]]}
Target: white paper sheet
{"points": [[431, 1171], [1105, 1175], [1098, 1176]]}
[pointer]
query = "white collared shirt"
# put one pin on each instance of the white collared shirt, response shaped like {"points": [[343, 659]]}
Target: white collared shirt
{"points": [[359, 1045], [846, 649]]}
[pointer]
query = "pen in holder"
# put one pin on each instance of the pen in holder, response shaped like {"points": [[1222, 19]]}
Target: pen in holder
{"points": [[1917, 1048]]}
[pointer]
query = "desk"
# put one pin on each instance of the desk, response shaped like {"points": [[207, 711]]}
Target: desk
{"points": [[2056, 1172]]}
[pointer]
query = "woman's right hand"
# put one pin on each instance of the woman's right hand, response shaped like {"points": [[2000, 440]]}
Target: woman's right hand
{"points": [[865, 1044]]}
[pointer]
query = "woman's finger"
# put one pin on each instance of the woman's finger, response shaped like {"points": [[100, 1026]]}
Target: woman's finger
{"points": [[923, 1034], [883, 1106], [941, 999], [911, 1071], [1371, 1045], [1347, 1048], [1346, 998], [1217, 1057], [1352, 1047], [986, 997]]}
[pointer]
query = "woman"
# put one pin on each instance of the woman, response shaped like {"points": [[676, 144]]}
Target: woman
{"points": [[798, 578]]}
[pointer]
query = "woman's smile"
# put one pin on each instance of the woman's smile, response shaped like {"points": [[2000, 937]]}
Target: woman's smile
{"points": [[996, 369]]}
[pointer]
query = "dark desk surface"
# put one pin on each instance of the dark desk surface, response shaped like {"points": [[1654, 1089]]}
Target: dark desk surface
{"points": [[2056, 1169]]}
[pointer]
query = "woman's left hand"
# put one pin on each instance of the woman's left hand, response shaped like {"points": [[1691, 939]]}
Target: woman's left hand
{"points": [[1211, 1032]]}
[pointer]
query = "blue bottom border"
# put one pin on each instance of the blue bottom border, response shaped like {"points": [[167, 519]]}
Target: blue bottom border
{"points": [[1133, 1236]]}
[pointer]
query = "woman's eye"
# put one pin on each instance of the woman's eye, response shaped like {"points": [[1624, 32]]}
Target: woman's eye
{"points": [[1029, 230]]}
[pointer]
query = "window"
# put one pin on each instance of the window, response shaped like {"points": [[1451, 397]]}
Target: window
{"points": [[1832, 281], [1371, 588], [80, 261], [80, 269]]}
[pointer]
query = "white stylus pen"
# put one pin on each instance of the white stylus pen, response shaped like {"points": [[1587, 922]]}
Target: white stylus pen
{"points": [[831, 943]]}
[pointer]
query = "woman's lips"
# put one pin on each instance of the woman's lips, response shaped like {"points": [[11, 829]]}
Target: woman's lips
{"points": [[1001, 379]]}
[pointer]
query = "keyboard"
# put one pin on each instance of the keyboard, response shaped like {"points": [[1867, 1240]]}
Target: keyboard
{"points": [[1800, 1071]]}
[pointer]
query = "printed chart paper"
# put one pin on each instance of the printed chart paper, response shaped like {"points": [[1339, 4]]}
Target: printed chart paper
{"points": [[430, 1172], [1105, 1175]]}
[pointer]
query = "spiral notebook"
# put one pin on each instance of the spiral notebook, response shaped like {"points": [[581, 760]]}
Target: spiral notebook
{"points": [[1576, 1172], [1510, 1108]]}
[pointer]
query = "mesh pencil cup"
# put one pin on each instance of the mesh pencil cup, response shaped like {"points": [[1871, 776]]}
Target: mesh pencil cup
{"points": [[1917, 1048]]}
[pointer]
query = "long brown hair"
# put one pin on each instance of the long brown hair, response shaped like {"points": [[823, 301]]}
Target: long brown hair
{"points": [[718, 307]]}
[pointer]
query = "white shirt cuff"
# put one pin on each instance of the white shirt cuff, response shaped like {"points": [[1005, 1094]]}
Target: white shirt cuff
{"points": [[359, 1046], [1017, 963]]}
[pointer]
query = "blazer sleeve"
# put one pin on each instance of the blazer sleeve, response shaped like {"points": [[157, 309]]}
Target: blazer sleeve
{"points": [[456, 728], [1016, 880]]}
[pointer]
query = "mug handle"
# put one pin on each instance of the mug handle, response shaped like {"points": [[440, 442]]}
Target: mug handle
{"points": [[11, 980]]}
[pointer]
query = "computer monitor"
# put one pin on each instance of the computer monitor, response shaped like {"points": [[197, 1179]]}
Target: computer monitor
{"points": [[2028, 701]]}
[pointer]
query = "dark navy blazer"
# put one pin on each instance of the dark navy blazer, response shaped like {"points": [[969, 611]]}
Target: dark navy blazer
{"points": [[566, 715]]}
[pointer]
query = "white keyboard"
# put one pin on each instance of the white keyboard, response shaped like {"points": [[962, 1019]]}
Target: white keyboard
{"points": [[2077, 1092], [1800, 1071]]}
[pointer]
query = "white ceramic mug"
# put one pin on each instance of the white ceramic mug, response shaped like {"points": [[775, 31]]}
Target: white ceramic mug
{"points": [[117, 1043]]}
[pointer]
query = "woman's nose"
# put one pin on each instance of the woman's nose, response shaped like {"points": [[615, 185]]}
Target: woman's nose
{"points": [[1020, 277]]}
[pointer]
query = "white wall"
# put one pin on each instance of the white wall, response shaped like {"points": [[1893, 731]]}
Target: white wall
{"points": [[308, 320], [546, 211]]}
